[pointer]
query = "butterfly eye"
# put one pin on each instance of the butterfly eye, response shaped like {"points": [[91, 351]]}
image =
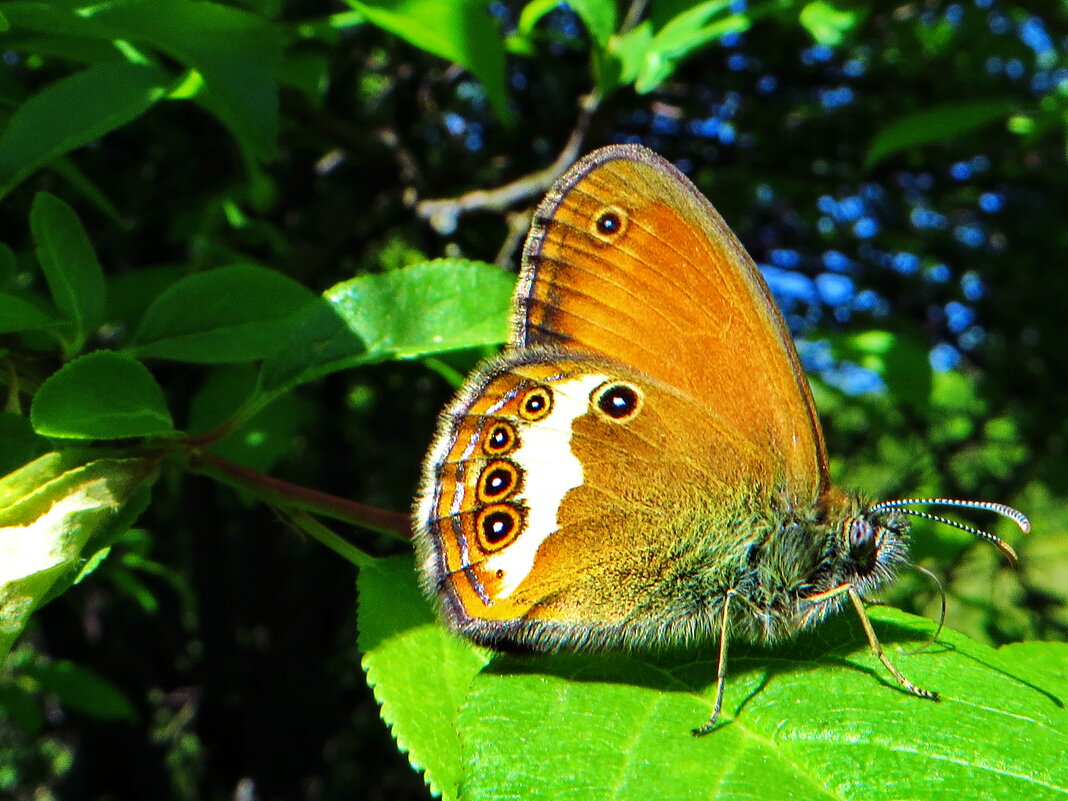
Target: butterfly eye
{"points": [[862, 542], [617, 401], [609, 223], [536, 404], [497, 526], [500, 439]]}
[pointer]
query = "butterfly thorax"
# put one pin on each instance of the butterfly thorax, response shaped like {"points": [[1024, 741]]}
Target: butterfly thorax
{"points": [[797, 575]]}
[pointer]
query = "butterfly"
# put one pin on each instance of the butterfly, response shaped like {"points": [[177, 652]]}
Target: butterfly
{"points": [[644, 466]]}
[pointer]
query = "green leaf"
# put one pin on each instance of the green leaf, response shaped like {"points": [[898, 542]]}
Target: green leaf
{"points": [[260, 442], [237, 53], [599, 17], [1044, 552], [309, 73], [82, 689], [91, 564], [57, 19], [678, 38], [15, 485], [532, 14], [815, 717], [87, 188], [321, 342], [629, 49], [420, 674], [102, 395], [936, 124], [130, 293], [21, 708], [74, 275], [21, 443], [433, 307], [436, 306], [19, 314], [826, 24], [812, 719], [64, 49], [52, 509], [74, 111], [1050, 657], [230, 314], [9, 268], [461, 31]]}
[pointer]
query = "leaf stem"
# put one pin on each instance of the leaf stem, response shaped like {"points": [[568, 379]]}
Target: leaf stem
{"points": [[289, 496], [316, 530]]}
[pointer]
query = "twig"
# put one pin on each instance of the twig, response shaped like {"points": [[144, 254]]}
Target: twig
{"points": [[443, 214], [518, 223], [634, 15]]}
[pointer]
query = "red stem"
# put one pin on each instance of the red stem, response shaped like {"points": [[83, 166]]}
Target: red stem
{"points": [[294, 496]]}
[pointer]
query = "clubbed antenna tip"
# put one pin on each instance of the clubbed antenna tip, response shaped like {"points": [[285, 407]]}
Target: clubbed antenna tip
{"points": [[1015, 515]]}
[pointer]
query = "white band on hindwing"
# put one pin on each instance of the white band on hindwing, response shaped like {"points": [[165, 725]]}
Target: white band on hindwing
{"points": [[549, 469]]}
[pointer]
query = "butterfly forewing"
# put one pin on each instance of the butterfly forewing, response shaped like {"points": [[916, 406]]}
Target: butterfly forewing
{"points": [[627, 260]]}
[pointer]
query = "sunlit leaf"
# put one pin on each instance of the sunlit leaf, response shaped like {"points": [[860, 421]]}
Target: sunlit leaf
{"points": [[827, 24], [812, 718], [420, 673], [49, 511], [681, 36], [433, 307], [101, 395], [599, 17], [461, 31]]}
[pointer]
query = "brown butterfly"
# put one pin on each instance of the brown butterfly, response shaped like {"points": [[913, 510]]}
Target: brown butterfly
{"points": [[644, 465]]}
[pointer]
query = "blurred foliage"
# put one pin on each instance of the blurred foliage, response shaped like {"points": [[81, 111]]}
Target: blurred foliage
{"points": [[217, 261]]}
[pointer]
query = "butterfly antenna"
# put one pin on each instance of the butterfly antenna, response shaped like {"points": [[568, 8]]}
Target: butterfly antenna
{"points": [[1015, 515], [941, 617]]}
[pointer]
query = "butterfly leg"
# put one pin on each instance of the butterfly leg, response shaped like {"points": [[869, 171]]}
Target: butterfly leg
{"points": [[877, 649], [721, 669]]}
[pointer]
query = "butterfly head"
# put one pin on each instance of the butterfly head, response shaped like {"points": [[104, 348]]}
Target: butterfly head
{"points": [[869, 542], [874, 542], [865, 545]]}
